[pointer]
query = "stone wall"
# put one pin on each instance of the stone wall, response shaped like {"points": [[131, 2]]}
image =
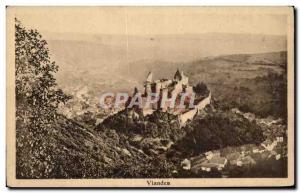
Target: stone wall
{"points": [[189, 115], [177, 89], [202, 104]]}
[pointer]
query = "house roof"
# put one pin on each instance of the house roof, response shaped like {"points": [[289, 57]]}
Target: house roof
{"points": [[218, 160], [233, 156]]}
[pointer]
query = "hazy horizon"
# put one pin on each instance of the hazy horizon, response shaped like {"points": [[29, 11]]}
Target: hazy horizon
{"points": [[155, 20]]}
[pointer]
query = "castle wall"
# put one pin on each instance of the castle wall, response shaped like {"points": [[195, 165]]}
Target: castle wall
{"points": [[157, 87], [165, 84], [177, 89], [185, 80], [202, 104], [189, 89], [189, 115], [147, 88], [147, 112]]}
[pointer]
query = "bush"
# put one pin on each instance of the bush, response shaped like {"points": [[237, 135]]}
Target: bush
{"points": [[201, 89]]}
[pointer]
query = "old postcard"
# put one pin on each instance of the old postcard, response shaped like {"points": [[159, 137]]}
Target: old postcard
{"points": [[150, 97]]}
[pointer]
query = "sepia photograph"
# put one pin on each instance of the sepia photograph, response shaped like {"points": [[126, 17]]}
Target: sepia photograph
{"points": [[150, 96]]}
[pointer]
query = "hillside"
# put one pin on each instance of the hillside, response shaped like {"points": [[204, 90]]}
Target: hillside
{"points": [[81, 152], [246, 81], [154, 146]]}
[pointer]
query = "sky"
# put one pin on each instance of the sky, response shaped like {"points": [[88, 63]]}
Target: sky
{"points": [[153, 20]]}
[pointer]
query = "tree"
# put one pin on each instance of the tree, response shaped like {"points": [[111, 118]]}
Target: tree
{"points": [[200, 89], [37, 100]]}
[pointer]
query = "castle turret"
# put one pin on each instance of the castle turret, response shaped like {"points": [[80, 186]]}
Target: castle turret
{"points": [[177, 75], [149, 77], [181, 78], [135, 91], [148, 84], [184, 79]]}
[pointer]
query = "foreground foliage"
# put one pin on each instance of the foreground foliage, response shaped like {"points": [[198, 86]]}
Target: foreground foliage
{"points": [[37, 99]]}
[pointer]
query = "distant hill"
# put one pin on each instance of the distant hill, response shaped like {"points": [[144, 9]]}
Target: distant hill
{"points": [[112, 59]]}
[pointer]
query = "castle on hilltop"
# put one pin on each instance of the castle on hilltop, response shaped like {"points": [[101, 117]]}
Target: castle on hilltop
{"points": [[172, 90], [171, 87]]}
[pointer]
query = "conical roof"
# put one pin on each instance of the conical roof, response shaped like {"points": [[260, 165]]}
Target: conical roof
{"points": [[177, 75], [149, 77]]}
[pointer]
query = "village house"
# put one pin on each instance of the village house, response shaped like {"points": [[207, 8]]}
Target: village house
{"points": [[258, 149], [186, 164], [215, 163], [269, 145]]}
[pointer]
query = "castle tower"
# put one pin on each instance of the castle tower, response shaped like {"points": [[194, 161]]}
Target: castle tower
{"points": [[178, 75], [149, 77], [148, 83], [135, 91], [184, 79]]}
